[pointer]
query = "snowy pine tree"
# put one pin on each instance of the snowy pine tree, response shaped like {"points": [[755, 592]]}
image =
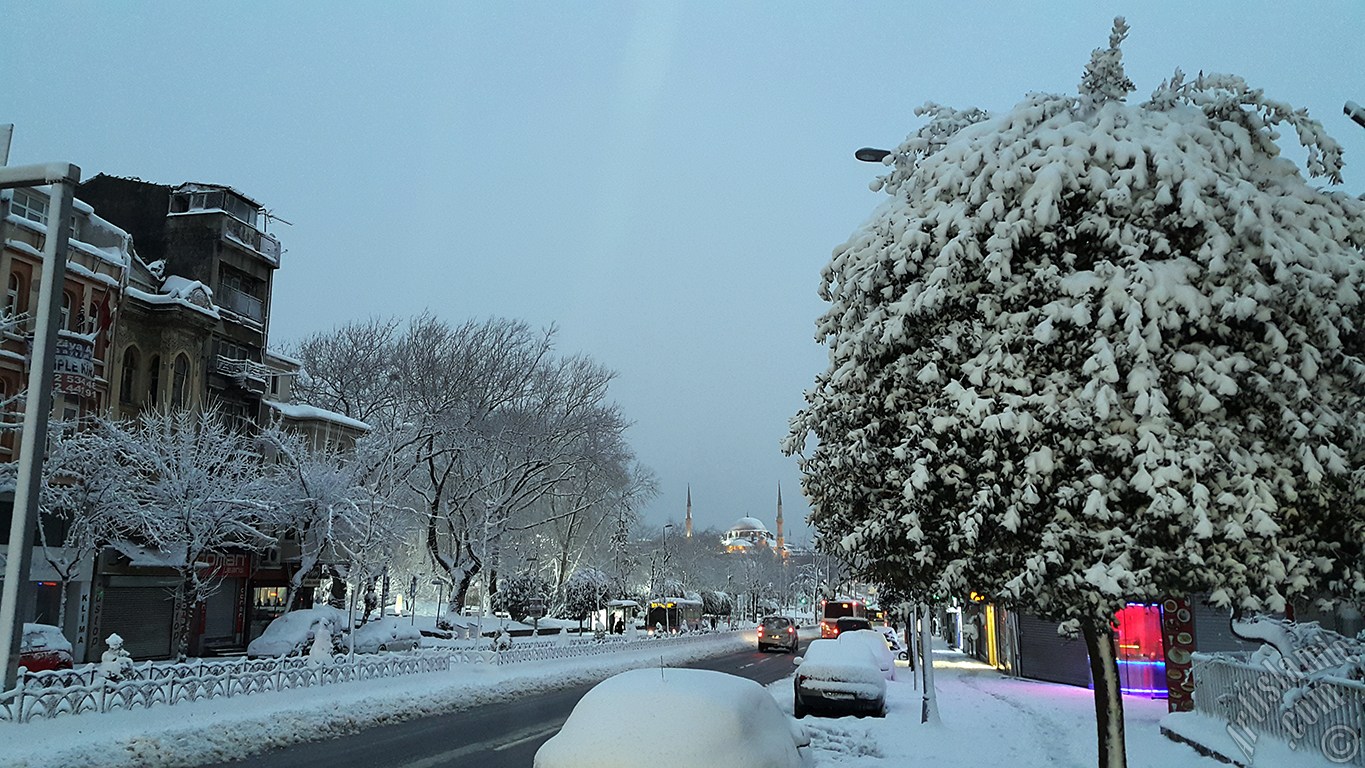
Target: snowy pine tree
{"points": [[1091, 352]]}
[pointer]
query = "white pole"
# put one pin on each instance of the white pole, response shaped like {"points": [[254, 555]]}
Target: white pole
{"points": [[38, 402], [929, 713]]}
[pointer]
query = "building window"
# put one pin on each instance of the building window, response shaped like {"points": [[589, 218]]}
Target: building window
{"points": [[27, 205], [154, 381], [66, 311], [127, 375], [180, 383], [12, 296]]}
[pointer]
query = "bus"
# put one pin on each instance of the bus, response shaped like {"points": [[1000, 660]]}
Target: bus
{"points": [[833, 610], [673, 614], [876, 615]]}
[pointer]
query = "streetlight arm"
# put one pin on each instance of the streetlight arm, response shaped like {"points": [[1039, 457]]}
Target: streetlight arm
{"points": [[1355, 112]]}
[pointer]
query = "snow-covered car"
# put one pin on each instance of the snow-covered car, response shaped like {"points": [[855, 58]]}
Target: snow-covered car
{"points": [[386, 635], [44, 647], [839, 678], [693, 718], [777, 632], [292, 634], [875, 642]]}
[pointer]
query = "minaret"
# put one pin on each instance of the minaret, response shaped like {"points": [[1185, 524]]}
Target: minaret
{"points": [[687, 525], [781, 547]]}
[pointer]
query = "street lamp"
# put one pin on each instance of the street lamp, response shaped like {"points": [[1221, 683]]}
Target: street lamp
{"points": [[17, 589], [1355, 112], [871, 154]]}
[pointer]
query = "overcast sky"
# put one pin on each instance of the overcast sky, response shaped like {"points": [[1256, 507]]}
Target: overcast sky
{"points": [[663, 182]]}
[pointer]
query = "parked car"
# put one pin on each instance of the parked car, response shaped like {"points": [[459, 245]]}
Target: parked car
{"points": [[850, 624], [839, 678], [292, 633], [777, 632], [44, 647], [682, 718], [875, 642], [385, 635]]}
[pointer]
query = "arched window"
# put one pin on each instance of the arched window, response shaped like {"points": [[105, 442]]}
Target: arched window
{"points": [[67, 301], [154, 381], [180, 383], [127, 375]]}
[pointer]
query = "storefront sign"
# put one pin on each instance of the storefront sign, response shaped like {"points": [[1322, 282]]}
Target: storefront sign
{"points": [[228, 565], [1177, 629], [73, 366]]}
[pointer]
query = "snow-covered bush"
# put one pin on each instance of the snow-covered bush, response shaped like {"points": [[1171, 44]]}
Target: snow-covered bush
{"points": [[515, 593], [584, 592]]}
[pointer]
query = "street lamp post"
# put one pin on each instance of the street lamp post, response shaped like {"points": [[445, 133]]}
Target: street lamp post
{"points": [[871, 154], [1355, 112], [63, 177]]}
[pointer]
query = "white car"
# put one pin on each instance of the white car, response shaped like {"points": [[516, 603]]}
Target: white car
{"points": [[839, 678], [385, 635], [292, 633], [875, 642], [681, 718]]}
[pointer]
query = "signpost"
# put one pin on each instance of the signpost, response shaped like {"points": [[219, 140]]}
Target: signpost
{"points": [[535, 609]]}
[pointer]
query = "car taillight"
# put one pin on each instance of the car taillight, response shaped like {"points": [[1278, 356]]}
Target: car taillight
{"points": [[800, 679], [760, 631], [791, 630]]}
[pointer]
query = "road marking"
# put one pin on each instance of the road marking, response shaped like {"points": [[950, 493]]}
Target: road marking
{"points": [[492, 745], [746, 666], [529, 737]]}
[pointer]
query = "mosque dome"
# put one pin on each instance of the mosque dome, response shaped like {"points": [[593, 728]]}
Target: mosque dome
{"points": [[748, 524]]}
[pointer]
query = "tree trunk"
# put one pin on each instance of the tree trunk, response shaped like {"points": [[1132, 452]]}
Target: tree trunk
{"points": [[61, 605], [929, 712], [306, 565], [1104, 671]]}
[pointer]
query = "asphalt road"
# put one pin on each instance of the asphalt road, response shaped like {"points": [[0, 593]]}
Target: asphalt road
{"points": [[503, 735]]}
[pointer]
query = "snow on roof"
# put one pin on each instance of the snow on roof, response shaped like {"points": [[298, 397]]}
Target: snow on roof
{"points": [[749, 524], [197, 186], [850, 662], [313, 413], [149, 558], [691, 717], [182, 291], [284, 358], [45, 637]]}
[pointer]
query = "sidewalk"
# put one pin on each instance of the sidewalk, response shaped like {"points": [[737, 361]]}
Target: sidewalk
{"points": [[989, 720]]}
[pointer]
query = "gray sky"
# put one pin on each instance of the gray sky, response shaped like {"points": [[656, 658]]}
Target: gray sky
{"points": [[663, 182]]}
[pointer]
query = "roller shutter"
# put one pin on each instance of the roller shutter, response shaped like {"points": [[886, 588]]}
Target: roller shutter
{"points": [[1045, 655], [142, 616]]}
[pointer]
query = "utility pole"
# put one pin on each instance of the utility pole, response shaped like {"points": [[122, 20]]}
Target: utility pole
{"points": [[17, 589]]}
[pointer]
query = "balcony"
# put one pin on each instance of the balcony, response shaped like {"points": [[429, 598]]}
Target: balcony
{"points": [[247, 374], [247, 236], [242, 303]]}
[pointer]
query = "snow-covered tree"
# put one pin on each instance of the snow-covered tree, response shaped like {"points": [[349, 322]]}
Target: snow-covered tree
{"points": [[189, 492], [81, 505], [515, 593], [1091, 352], [587, 590]]}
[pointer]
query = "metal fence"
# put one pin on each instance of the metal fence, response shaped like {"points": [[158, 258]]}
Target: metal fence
{"points": [[1311, 713], [75, 691]]}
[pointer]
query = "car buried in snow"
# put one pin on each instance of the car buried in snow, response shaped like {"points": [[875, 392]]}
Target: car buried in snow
{"points": [[835, 678]]}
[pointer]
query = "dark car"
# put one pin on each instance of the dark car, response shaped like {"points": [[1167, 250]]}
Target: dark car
{"points": [[850, 624], [777, 632]]}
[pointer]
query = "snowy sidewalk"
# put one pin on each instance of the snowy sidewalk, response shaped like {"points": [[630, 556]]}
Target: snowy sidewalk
{"points": [[988, 719]]}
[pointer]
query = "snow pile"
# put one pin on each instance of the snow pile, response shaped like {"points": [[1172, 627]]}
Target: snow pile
{"points": [[835, 667], [691, 716]]}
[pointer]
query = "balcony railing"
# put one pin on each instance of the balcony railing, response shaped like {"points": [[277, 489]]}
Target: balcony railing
{"points": [[248, 374], [242, 303], [251, 238]]}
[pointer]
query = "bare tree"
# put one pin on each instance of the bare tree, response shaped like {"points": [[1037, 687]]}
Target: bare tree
{"points": [[190, 493]]}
